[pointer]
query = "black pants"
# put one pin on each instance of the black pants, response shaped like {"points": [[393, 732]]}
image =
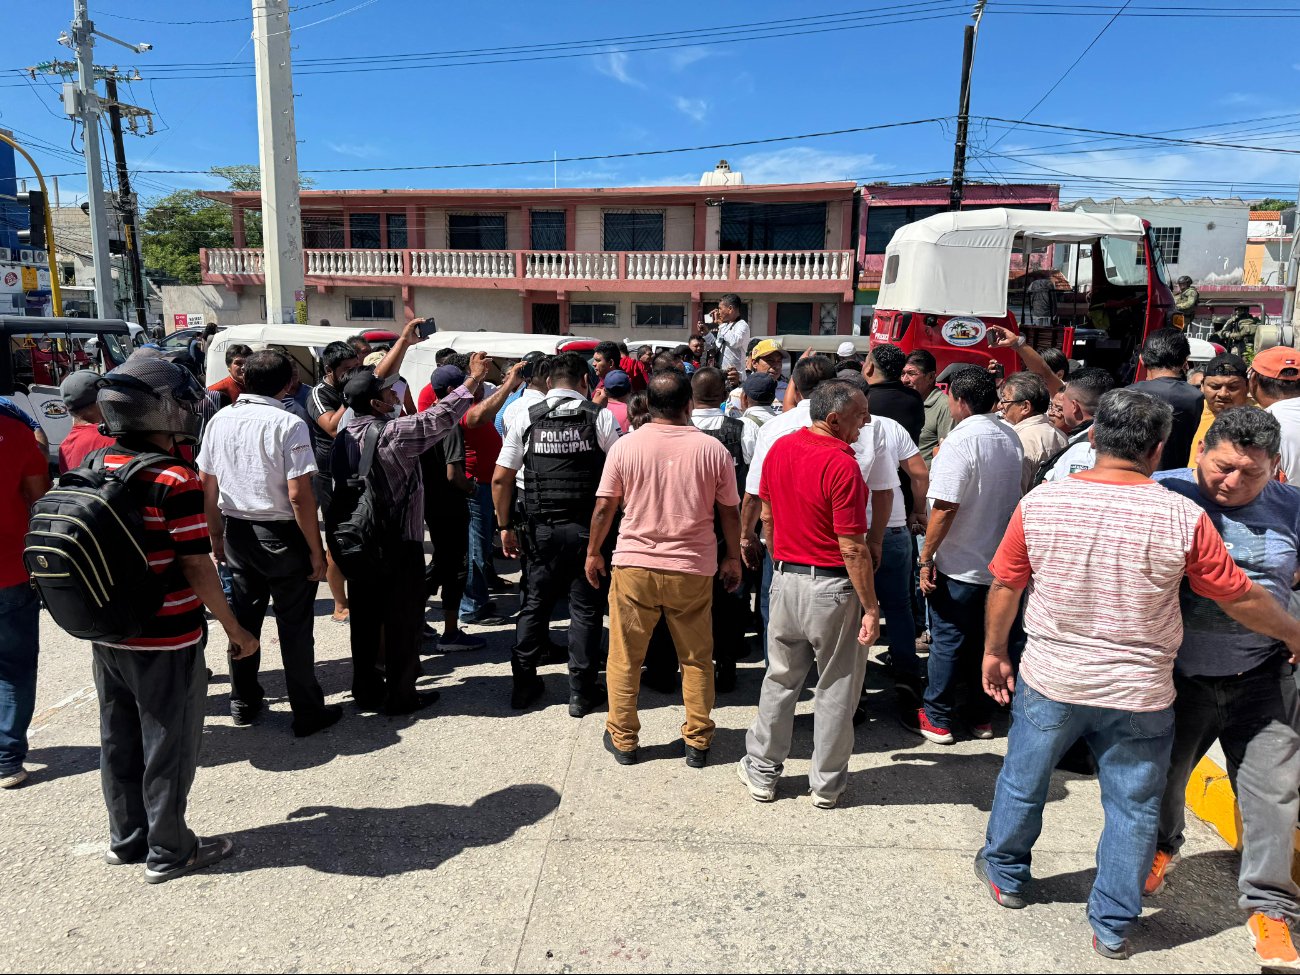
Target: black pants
{"points": [[270, 562], [557, 556], [448, 525], [150, 726], [387, 623]]}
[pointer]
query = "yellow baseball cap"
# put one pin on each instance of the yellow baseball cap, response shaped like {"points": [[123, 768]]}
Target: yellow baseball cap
{"points": [[764, 348]]}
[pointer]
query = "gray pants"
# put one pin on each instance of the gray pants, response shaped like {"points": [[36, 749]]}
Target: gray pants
{"points": [[1256, 717], [812, 619], [150, 725]]}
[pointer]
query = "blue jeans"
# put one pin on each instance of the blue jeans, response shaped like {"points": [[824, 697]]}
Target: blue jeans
{"points": [[894, 591], [482, 520], [956, 651], [19, 647], [1132, 749], [227, 579]]}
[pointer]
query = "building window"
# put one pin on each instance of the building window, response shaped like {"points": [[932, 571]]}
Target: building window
{"points": [[322, 230], [370, 309], [476, 231], [634, 230], [830, 318], [364, 230], [589, 314], [660, 316], [397, 230], [883, 220], [794, 318], [1169, 241], [773, 226], [546, 230]]}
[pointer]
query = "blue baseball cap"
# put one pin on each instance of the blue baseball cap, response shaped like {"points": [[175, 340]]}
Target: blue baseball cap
{"points": [[447, 377], [618, 382]]}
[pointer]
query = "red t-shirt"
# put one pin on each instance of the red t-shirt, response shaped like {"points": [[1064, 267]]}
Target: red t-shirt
{"points": [[482, 444], [815, 489], [228, 386], [635, 372], [20, 457], [82, 439]]}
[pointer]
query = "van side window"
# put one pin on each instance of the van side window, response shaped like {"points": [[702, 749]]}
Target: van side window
{"points": [[891, 269]]}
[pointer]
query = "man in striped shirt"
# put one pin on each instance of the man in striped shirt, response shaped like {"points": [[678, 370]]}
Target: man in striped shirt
{"points": [[152, 687], [1103, 554]]}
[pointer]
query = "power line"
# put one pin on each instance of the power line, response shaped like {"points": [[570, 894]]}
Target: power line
{"points": [[197, 23], [1134, 135]]}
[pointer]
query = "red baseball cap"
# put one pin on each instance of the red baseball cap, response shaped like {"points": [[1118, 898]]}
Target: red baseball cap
{"points": [[1278, 362]]}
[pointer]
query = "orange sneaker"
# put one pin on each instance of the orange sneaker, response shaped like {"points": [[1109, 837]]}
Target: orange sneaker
{"points": [[1160, 866], [1273, 942]]}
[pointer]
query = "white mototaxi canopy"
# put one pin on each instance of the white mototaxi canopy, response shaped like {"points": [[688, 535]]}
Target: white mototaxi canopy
{"points": [[957, 263]]}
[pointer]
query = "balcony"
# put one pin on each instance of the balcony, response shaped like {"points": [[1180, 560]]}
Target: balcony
{"points": [[667, 271]]}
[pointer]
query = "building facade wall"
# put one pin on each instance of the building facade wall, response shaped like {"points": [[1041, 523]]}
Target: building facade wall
{"points": [[1212, 235]]}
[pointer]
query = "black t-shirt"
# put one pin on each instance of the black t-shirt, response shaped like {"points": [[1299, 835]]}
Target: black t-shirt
{"points": [[899, 403], [439, 491], [1188, 404], [324, 398]]}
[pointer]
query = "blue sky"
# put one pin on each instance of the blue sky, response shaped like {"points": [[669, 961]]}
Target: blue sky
{"points": [[1145, 74]]}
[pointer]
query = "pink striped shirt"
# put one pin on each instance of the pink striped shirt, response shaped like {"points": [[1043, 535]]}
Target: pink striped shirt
{"points": [[1103, 560]]}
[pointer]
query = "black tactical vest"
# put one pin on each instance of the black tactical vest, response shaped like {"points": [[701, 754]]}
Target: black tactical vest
{"points": [[562, 461]]}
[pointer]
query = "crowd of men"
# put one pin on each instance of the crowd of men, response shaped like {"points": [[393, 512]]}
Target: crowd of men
{"points": [[1114, 565]]}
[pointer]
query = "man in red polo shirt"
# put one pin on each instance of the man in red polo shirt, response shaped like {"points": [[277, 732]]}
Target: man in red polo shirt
{"points": [[823, 597]]}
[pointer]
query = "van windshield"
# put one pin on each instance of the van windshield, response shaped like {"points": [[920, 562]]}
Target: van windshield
{"points": [[1124, 261], [48, 358]]}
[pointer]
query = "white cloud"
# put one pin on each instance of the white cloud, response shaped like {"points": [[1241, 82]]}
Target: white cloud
{"points": [[695, 108], [803, 164], [354, 149], [614, 65], [686, 56]]}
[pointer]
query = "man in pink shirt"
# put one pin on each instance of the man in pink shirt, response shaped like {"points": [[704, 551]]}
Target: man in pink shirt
{"points": [[669, 478], [1103, 553]]}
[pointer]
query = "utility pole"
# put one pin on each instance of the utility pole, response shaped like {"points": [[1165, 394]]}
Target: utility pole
{"points": [[126, 204], [278, 156], [85, 105], [958, 188]]}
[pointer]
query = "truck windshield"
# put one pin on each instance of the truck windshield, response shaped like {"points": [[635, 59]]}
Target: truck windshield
{"points": [[1124, 261]]}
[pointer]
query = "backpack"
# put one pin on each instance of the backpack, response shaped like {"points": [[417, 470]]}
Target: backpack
{"points": [[361, 529], [85, 552]]}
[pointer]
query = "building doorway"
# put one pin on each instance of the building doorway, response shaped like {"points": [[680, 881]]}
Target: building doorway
{"points": [[546, 318]]}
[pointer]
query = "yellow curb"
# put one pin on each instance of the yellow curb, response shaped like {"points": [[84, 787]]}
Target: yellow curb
{"points": [[1210, 798]]}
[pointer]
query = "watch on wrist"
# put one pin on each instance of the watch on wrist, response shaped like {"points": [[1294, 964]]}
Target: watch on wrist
{"points": [[925, 563]]}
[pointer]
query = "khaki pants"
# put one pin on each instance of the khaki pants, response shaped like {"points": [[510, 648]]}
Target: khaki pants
{"points": [[637, 597]]}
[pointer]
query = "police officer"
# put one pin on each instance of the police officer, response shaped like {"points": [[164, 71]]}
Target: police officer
{"points": [[1239, 331], [560, 445]]}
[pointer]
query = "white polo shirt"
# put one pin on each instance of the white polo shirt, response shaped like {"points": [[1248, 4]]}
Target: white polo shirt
{"points": [[979, 469], [254, 447], [732, 340], [869, 450], [896, 446], [517, 425]]}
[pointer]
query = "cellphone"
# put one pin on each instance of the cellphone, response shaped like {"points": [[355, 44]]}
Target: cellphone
{"points": [[708, 318], [527, 371], [427, 328]]}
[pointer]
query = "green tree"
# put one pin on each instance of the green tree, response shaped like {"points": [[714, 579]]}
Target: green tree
{"points": [[1273, 203], [177, 225]]}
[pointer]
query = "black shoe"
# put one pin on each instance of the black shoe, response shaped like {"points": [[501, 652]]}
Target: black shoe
{"points": [[243, 713], [1121, 952], [422, 700], [724, 677], [623, 758], [210, 849], [860, 714], [556, 653], [371, 704], [696, 757], [582, 703], [527, 689], [1013, 901], [326, 719], [663, 683]]}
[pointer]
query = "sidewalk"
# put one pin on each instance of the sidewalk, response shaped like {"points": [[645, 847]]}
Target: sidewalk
{"points": [[474, 839]]}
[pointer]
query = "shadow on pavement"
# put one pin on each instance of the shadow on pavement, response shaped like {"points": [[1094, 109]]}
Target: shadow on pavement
{"points": [[956, 779], [60, 761], [377, 842]]}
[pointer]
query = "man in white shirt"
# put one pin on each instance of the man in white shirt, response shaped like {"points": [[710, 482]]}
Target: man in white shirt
{"points": [[256, 465], [974, 488], [557, 448], [1079, 404], [1275, 385], [809, 373], [729, 335]]}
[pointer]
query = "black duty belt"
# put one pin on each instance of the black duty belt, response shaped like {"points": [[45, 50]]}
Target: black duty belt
{"points": [[798, 568]]}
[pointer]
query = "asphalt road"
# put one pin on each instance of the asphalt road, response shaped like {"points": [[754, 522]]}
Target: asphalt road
{"points": [[476, 839]]}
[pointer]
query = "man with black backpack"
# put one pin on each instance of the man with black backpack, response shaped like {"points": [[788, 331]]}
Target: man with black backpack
{"points": [[708, 393], [376, 530], [148, 665], [560, 445]]}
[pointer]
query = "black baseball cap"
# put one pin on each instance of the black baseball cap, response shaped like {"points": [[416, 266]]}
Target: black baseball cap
{"points": [[363, 386]]}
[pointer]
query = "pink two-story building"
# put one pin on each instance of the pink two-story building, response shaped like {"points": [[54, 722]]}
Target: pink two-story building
{"points": [[635, 262]]}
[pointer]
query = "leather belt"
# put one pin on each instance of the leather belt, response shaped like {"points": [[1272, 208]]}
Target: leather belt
{"points": [[798, 568]]}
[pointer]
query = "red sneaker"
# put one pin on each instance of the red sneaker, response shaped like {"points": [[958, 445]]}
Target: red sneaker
{"points": [[930, 731]]}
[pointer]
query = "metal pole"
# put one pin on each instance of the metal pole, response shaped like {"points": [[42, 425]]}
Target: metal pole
{"points": [[126, 204], [88, 109], [278, 156], [55, 291]]}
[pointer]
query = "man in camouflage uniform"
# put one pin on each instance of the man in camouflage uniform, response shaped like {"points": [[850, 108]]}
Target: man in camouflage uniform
{"points": [[1186, 300], [1239, 330]]}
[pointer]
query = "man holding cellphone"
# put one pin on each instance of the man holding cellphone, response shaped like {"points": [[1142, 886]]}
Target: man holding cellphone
{"points": [[727, 332]]}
